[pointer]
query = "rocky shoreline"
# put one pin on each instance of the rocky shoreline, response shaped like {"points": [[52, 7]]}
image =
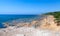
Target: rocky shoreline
{"points": [[45, 23]]}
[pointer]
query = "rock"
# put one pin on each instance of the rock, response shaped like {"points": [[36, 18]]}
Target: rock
{"points": [[48, 22], [25, 31]]}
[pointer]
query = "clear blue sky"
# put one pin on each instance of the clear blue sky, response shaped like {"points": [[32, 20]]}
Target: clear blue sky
{"points": [[28, 6]]}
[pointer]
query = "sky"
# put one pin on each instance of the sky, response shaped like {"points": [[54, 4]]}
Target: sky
{"points": [[28, 6]]}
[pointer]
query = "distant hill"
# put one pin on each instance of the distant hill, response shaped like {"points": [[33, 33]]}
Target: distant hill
{"points": [[55, 14]]}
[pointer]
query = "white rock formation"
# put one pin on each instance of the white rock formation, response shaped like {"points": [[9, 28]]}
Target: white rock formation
{"points": [[25, 31]]}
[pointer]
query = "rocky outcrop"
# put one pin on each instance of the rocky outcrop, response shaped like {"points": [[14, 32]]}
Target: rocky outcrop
{"points": [[49, 22]]}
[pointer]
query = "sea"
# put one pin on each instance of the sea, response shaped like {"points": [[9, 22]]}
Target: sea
{"points": [[9, 18]]}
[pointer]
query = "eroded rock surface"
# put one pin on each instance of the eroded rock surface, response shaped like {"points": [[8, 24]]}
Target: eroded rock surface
{"points": [[26, 31]]}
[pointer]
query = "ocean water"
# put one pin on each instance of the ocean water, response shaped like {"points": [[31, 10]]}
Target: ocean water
{"points": [[6, 18]]}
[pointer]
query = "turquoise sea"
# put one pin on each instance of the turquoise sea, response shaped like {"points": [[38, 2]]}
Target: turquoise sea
{"points": [[6, 18]]}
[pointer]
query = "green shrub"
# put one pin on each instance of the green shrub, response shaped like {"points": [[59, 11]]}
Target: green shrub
{"points": [[55, 14]]}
